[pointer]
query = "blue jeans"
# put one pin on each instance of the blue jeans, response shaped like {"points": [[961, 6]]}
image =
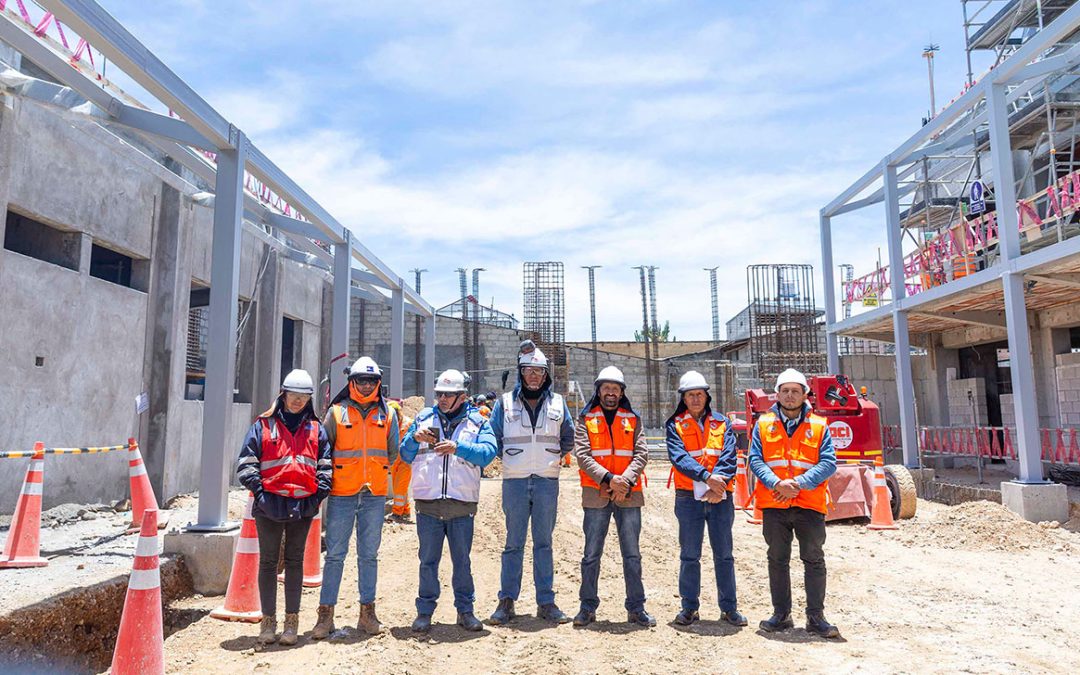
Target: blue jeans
{"points": [[693, 516], [459, 533], [628, 524], [522, 498], [366, 510]]}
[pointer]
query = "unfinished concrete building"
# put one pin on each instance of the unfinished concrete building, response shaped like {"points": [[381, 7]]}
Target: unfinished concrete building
{"points": [[979, 293]]}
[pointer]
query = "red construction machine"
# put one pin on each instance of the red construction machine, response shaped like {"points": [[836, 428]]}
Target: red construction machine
{"points": [[855, 427]]}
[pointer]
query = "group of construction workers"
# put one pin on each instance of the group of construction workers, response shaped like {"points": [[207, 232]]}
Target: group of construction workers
{"points": [[291, 461]]}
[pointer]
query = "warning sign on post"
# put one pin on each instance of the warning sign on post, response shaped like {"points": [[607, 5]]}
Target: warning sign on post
{"points": [[841, 434]]}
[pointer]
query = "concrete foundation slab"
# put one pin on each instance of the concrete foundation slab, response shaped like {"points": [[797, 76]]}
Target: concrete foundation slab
{"points": [[1036, 502], [208, 557]]}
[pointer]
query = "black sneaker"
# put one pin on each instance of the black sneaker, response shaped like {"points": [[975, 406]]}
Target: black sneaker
{"points": [[469, 622], [552, 613], [817, 625], [503, 613], [733, 617], [641, 618], [687, 617], [777, 622], [422, 623], [584, 618]]}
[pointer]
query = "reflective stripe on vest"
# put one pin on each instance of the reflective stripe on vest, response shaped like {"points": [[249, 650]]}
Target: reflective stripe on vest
{"points": [[612, 447], [790, 457], [288, 461], [436, 476], [704, 445], [361, 458], [527, 451]]}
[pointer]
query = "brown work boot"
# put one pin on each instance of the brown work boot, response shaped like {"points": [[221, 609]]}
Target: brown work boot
{"points": [[325, 623], [267, 631], [368, 622], [292, 626]]}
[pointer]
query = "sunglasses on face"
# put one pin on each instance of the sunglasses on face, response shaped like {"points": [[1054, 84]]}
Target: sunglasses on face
{"points": [[447, 394], [532, 370], [365, 380]]}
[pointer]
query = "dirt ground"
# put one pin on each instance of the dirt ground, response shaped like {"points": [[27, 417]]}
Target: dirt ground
{"points": [[957, 589]]}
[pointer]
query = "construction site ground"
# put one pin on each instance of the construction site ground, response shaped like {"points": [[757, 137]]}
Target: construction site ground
{"points": [[969, 588]]}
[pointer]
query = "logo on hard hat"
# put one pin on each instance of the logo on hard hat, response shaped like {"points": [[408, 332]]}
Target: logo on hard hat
{"points": [[371, 369], [841, 433]]}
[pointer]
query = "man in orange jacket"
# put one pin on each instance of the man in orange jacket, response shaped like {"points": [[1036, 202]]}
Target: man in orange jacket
{"points": [[792, 456], [400, 476]]}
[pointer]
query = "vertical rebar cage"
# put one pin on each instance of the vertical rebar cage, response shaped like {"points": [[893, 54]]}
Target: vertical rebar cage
{"points": [[545, 308], [784, 331]]}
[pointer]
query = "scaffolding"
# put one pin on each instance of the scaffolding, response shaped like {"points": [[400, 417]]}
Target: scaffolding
{"points": [[545, 312], [784, 329]]}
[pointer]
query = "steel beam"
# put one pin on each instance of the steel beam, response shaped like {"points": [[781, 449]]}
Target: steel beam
{"points": [[429, 359], [341, 310], [1021, 364], [159, 125], [975, 318], [217, 445], [904, 382], [1066, 280], [301, 227], [397, 342], [829, 279]]}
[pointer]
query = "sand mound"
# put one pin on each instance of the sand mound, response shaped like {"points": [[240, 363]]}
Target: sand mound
{"points": [[985, 526]]}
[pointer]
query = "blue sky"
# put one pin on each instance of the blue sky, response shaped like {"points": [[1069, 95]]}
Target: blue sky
{"points": [[482, 134]]}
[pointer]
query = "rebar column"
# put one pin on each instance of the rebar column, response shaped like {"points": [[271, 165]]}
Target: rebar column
{"points": [[715, 304], [592, 313]]}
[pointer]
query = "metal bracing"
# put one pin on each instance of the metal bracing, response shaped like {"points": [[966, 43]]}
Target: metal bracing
{"points": [[397, 343], [341, 310], [904, 382], [201, 126], [217, 447], [1021, 365]]}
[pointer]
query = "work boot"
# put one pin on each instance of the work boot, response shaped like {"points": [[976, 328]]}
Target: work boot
{"points": [[584, 618], [422, 623], [469, 622], [734, 618], [777, 622], [292, 626], [368, 622], [503, 613], [641, 618], [817, 625], [552, 613], [268, 631], [324, 625], [687, 617]]}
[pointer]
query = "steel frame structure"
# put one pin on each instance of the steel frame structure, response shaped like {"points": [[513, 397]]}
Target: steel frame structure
{"points": [[197, 130], [1023, 70]]}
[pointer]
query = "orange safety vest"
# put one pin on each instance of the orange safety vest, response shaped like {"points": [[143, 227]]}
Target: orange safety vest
{"points": [[360, 451], [704, 446], [288, 461], [612, 448], [792, 456]]}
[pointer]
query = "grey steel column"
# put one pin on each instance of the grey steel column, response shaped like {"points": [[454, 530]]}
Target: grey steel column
{"points": [[905, 389], [342, 309], [831, 351], [429, 358], [218, 448], [397, 341], [1021, 365]]}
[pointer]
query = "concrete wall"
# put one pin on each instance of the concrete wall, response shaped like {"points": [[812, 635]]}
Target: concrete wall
{"points": [[1068, 388], [877, 372], [965, 411], [99, 344]]}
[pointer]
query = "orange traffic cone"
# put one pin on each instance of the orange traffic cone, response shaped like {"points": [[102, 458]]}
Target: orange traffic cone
{"points": [[742, 492], [142, 493], [140, 646], [881, 516], [23, 545], [242, 597], [312, 555], [756, 517]]}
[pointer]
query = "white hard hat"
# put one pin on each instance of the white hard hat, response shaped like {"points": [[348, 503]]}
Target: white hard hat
{"points": [[610, 374], [298, 381], [365, 365], [789, 376], [692, 379], [451, 381], [534, 358]]}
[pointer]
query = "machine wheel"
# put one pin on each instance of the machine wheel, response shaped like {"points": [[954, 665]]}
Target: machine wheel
{"points": [[902, 497]]}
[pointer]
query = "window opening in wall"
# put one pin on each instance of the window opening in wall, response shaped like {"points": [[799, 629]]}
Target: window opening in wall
{"points": [[289, 332], [195, 361], [108, 265], [31, 238]]}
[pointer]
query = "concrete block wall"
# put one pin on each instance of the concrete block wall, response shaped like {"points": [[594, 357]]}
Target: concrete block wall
{"points": [[877, 372], [1067, 370], [960, 407]]}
